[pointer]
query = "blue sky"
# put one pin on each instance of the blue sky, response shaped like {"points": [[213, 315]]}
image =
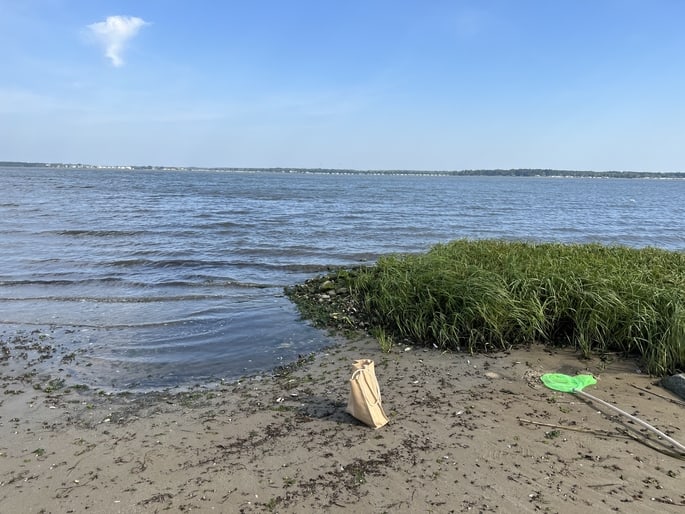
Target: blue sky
{"points": [[372, 84]]}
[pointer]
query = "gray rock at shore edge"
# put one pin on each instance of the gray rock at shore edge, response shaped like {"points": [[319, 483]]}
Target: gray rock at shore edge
{"points": [[675, 384]]}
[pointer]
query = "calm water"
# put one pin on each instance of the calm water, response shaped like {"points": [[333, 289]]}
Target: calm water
{"points": [[156, 279]]}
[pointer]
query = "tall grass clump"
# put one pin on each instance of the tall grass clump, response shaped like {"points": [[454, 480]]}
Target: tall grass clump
{"points": [[489, 295]]}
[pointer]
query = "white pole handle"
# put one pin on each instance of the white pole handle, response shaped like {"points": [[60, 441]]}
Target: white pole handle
{"points": [[636, 420]]}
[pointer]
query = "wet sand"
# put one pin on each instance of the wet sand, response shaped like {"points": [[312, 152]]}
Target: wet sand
{"points": [[466, 434]]}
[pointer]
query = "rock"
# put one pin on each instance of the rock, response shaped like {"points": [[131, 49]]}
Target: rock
{"points": [[675, 384], [327, 285]]}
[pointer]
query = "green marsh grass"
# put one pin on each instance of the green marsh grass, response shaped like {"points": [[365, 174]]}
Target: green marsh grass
{"points": [[490, 295]]}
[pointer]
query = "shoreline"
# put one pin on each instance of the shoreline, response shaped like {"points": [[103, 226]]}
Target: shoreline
{"points": [[466, 433]]}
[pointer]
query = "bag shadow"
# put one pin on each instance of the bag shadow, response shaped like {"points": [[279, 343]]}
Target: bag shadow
{"points": [[318, 407]]}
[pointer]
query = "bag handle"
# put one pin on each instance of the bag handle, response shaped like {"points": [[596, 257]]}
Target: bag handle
{"points": [[364, 375]]}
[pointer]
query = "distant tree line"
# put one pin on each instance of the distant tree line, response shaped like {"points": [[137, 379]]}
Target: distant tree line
{"points": [[523, 172], [569, 173], [13, 164]]}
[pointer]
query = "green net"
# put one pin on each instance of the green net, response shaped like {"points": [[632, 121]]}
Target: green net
{"points": [[565, 383]]}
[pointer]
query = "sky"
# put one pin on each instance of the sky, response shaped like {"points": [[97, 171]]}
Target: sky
{"points": [[352, 84]]}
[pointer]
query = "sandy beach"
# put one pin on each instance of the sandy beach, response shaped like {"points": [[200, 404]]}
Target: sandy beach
{"points": [[466, 434]]}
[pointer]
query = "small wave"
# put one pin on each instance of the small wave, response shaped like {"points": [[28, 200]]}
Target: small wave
{"points": [[71, 187], [99, 233], [288, 267], [168, 263], [221, 225], [217, 282], [120, 299], [70, 325], [59, 282], [199, 281]]}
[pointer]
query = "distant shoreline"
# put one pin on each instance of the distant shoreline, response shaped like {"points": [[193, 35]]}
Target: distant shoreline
{"points": [[519, 172]]}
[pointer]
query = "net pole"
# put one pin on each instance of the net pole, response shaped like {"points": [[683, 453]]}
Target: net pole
{"points": [[658, 432]]}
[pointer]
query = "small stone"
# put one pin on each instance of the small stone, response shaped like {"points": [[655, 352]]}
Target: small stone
{"points": [[675, 384]]}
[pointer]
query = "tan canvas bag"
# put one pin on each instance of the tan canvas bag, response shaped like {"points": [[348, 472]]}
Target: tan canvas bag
{"points": [[365, 395]]}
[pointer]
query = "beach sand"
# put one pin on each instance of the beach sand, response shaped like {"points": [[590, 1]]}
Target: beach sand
{"points": [[466, 434]]}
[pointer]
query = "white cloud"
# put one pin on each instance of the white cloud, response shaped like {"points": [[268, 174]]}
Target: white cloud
{"points": [[114, 33]]}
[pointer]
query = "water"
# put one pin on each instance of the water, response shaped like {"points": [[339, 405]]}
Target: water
{"points": [[157, 279]]}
